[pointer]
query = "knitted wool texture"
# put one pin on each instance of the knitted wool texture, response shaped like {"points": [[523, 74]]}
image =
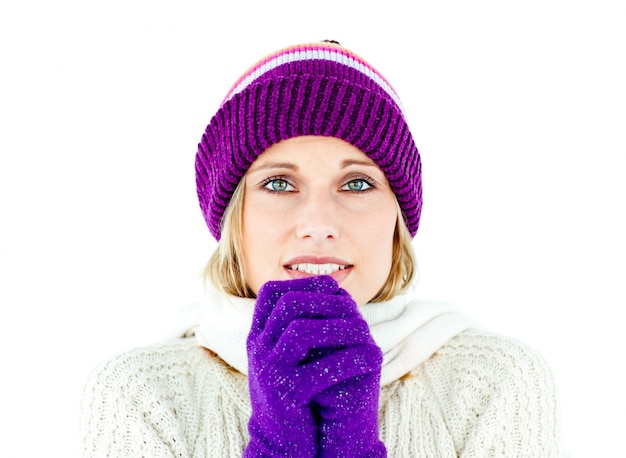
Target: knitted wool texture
{"points": [[312, 363], [480, 395], [313, 89]]}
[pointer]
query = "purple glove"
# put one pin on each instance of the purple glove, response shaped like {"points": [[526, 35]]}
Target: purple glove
{"points": [[306, 337], [348, 412]]}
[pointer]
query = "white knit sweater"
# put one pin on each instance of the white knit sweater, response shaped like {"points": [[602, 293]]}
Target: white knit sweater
{"points": [[478, 395]]}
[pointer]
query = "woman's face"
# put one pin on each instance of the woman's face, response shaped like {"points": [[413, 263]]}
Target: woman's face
{"points": [[318, 205]]}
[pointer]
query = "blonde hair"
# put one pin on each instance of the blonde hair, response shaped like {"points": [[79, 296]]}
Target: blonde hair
{"points": [[225, 269]]}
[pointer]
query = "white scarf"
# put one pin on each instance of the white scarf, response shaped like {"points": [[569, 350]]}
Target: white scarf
{"points": [[407, 330]]}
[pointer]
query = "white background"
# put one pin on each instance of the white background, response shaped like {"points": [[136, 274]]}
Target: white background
{"points": [[518, 109]]}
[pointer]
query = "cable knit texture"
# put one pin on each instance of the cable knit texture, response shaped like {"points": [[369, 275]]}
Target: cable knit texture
{"points": [[479, 395]]}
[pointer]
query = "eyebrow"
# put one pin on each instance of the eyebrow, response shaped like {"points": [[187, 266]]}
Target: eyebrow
{"points": [[275, 165], [291, 166], [349, 162]]}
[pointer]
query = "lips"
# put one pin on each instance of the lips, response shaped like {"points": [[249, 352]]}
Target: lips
{"points": [[317, 269], [316, 265]]}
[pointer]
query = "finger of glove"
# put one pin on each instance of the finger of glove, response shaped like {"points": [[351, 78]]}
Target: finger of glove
{"points": [[298, 305], [271, 292], [316, 304], [315, 284], [272, 391], [302, 336], [337, 367], [354, 398], [275, 372]]}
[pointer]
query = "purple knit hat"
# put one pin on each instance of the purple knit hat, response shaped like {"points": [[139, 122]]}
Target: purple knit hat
{"points": [[311, 89]]}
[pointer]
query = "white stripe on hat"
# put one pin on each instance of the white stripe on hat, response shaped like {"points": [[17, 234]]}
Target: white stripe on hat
{"points": [[320, 53]]}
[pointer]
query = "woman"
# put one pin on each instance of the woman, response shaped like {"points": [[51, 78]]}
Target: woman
{"points": [[311, 341]]}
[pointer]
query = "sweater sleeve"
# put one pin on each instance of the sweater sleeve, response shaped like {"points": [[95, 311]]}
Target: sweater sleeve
{"points": [[128, 409], [499, 398]]}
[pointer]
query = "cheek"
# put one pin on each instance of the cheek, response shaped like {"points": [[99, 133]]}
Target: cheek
{"points": [[385, 249], [253, 246], [382, 227], [386, 229], [261, 238], [376, 248], [376, 244]]}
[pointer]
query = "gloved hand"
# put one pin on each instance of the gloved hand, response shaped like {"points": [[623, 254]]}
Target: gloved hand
{"points": [[306, 337], [349, 419], [348, 411]]}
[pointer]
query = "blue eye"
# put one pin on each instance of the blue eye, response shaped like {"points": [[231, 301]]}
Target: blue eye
{"points": [[357, 185], [278, 185]]}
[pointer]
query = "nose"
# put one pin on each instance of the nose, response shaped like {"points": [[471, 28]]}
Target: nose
{"points": [[317, 218]]}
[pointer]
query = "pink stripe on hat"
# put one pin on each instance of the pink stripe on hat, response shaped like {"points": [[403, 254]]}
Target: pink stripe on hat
{"points": [[308, 52]]}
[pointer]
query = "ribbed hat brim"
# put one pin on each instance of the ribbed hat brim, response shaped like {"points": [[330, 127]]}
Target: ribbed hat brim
{"points": [[279, 108]]}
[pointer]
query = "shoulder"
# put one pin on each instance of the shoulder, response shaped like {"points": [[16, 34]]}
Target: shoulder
{"points": [[491, 385], [165, 361], [487, 364], [496, 354], [174, 355], [169, 365], [152, 398], [138, 377]]}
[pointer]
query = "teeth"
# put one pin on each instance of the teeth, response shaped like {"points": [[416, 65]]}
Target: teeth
{"points": [[317, 269]]}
